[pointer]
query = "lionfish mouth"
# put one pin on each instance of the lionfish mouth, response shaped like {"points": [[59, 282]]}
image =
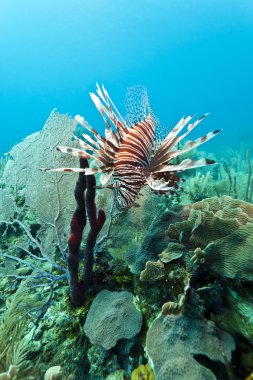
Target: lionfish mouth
{"points": [[128, 157]]}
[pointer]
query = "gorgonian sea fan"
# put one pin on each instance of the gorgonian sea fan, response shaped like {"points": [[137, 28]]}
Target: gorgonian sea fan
{"points": [[128, 156]]}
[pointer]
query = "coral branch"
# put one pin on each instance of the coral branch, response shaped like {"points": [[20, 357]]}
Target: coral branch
{"points": [[228, 171], [251, 191], [249, 175], [77, 225], [235, 189], [86, 207], [103, 239], [96, 224]]}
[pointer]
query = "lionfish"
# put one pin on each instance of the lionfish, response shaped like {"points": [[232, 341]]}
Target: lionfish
{"points": [[129, 156]]}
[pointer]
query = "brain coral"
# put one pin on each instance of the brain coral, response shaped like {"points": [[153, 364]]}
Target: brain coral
{"points": [[173, 340], [112, 316]]}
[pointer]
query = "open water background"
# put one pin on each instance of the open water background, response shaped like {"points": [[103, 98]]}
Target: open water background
{"points": [[194, 56]]}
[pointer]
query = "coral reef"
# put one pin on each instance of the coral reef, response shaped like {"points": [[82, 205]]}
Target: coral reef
{"points": [[3, 162], [220, 230], [238, 315], [174, 341], [15, 341], [117, 375], [111, 317], [9, 374], [153, 272], [156, 240], [186, 304], [49, 195], [143, 372], [199, 187], [172, 252], [126, 238], [230, 256]]}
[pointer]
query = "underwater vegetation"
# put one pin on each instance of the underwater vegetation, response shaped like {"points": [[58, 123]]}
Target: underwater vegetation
{"points": [[90, 290]]}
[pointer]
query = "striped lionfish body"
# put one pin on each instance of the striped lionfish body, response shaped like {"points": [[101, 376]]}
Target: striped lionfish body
{"points": [[127, 156]]}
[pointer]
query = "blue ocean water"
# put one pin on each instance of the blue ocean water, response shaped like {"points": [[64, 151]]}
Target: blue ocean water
{"points": [[193, 57]]}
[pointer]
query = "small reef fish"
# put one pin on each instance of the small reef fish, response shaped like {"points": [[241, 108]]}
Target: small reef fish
{"points": [[128, 156]]}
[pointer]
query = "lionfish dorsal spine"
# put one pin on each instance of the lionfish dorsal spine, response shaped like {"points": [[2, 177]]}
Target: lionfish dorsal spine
{"points": [[125, 157]]}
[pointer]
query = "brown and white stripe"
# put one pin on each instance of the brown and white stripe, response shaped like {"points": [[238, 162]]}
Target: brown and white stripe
{"points": [[125, 153]]}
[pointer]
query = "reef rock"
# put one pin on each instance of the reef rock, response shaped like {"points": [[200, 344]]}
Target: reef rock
{"points": [[184, 368], [173, 340], [156, 240], [238, 315], [112, 316]]}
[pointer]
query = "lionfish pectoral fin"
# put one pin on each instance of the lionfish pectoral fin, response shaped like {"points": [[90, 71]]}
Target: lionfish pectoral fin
{"points": [[104, 178], [195, 143], [157, 184], [160, 184], [184, 165], [167, 156], [173, 139], [70, 170], [100, 187], [74, 151], [86, 171]]}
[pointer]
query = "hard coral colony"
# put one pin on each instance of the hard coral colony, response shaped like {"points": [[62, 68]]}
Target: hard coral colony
{"points": [[128, 154]]}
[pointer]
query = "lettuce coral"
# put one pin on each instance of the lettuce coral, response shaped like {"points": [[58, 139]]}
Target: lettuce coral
{"points": [[153, 272], [221, 232]]}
